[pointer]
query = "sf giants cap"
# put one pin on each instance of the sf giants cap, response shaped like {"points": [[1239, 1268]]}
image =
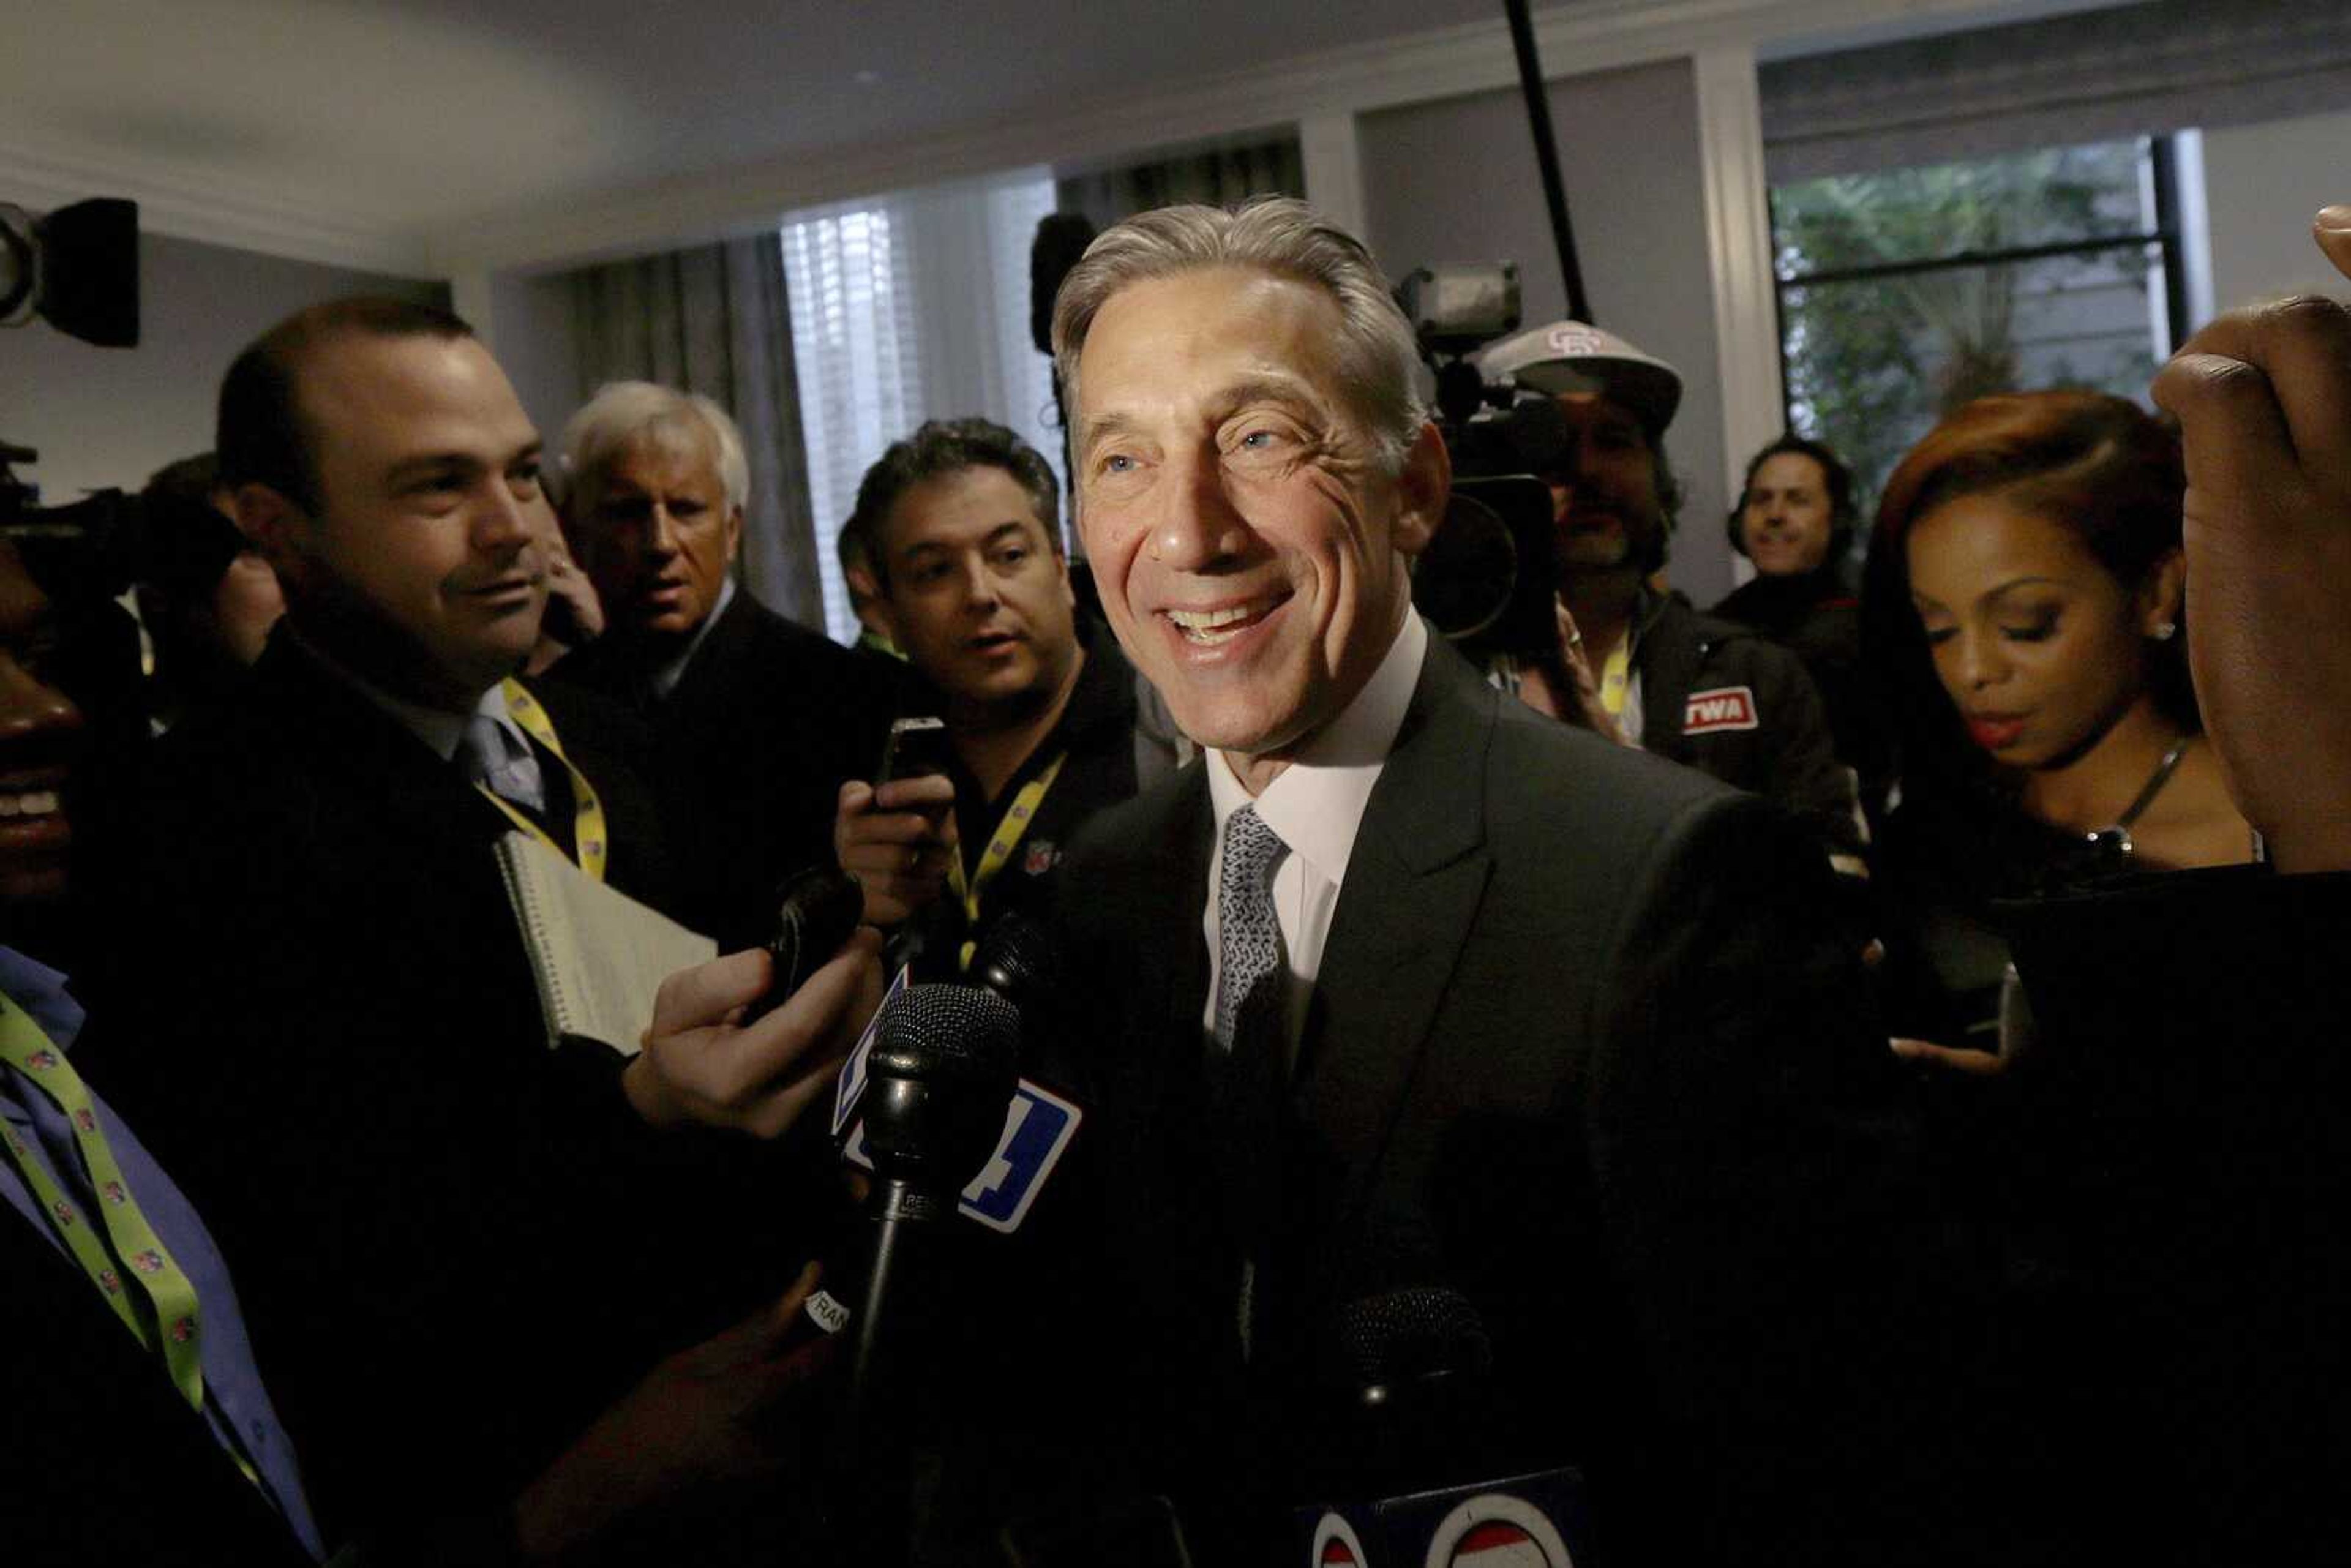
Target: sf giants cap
{"points": [[1572, 357]]}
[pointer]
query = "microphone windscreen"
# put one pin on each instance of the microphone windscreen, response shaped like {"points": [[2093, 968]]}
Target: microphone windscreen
{"points": [[1408, 1338], [940, 1033], [1017, 961]]}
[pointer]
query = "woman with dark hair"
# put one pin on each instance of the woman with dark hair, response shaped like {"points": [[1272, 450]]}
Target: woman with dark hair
{"points": [[2024, 613], [1796, 521]]}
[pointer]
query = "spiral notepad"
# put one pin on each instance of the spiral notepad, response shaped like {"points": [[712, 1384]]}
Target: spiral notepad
{"points": [[598, 955]]}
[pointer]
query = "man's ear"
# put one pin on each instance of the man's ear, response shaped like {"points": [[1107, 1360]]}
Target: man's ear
{"points": [[733, 533], [275, 527], [873, 606], [1423, 487]]}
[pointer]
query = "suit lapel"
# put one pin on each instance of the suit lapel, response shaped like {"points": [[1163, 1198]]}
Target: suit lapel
{"points": [[1413, 882], [1170, 982], [386, 770], [702, 692]]}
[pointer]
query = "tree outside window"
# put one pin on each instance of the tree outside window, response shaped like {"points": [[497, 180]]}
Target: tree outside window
{"points": [[1907, 292]]}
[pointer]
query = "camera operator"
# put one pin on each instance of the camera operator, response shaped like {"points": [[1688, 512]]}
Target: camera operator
{"points": [[1706, 693]]}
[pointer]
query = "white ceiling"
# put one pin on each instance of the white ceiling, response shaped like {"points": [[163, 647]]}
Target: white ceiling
{"points": [[423, 116], [433, 135]]}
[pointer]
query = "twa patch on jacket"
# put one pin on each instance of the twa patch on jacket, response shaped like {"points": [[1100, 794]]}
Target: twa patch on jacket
{"points": [[1724, 708]]}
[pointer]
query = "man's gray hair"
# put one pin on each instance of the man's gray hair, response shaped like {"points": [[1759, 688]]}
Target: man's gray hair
{"points": [[624, 416], [1379, 361]]}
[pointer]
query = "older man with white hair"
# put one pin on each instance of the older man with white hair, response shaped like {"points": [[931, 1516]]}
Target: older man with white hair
{"points": [[757, 720]]}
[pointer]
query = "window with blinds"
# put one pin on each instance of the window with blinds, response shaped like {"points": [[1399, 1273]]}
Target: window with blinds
{"points": [[909, 307]]}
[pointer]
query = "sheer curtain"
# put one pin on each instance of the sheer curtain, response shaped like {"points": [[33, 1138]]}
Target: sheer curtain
{"points": [[1218, 178], [908, 307], [712, 319]]}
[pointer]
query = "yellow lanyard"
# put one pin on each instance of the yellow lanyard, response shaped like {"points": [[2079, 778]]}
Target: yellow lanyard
{"points": [[1015, 822], [1616, 675], [129, 1252], [588, 812]]}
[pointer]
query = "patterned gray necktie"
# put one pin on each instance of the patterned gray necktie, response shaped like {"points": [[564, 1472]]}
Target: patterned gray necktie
{"points": [[1253, 1066], [1249, 966]]}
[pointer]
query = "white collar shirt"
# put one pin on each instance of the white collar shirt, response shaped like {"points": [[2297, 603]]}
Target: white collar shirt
{"points": [[1315, 806]]}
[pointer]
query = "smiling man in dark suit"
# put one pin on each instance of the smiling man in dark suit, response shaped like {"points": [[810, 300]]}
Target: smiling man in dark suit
{"points": [[1405, 985]]}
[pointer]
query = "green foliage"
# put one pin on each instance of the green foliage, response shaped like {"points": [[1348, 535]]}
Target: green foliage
{"points": [[1873, 362]]}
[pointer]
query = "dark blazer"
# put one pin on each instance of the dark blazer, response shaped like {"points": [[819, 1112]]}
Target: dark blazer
{"points": [[453, 1245], [765, 723], [1579, 1047], [107, 1464]]}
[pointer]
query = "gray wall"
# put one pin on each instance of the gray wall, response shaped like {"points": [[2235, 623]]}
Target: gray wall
{"points": [[1456, 180], [531, 334], [2262, 185], [113, 416]]}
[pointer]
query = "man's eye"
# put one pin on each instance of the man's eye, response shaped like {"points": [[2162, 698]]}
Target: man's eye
{"points": [[1117, 463], [524, 479]]}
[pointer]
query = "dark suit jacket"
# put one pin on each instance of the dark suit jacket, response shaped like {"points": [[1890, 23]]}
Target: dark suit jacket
{"points": [[107, 1465], [765, 723], [453, 1245], [1580, 1048]]}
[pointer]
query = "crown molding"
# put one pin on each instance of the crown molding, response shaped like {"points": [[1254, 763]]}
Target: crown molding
{"points": [[217, 211]]}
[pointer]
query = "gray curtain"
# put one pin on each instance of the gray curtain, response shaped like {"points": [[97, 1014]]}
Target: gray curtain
{"points": [[714, 320], [1214, 179], [2093, 75]]}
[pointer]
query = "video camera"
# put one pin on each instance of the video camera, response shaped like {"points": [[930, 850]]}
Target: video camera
{"points": [[78, 269], [1487, 578], [86, 547]]}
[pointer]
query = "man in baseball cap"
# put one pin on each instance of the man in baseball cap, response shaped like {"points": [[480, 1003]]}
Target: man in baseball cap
{"points": [[1653, 670]]}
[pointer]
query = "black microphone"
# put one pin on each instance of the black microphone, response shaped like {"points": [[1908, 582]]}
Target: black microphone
{"points": [[816, 913], [1017, 960], [1422, 1472], [943, 1071]]}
